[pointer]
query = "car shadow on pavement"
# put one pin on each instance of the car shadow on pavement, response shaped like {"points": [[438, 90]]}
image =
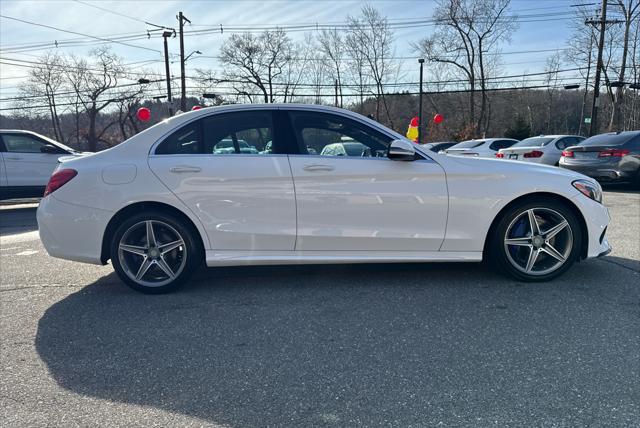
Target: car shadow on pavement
{"points": [[350, 345], [18, 219]]}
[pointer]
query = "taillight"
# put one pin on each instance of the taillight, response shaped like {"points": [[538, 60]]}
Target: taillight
{"points": [[567, 154], [500, 155], [59, 179], [613, 153], [533, 154]]}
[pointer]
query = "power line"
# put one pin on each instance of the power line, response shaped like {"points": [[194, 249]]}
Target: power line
{"points": [[122, 15], [77, 33]]}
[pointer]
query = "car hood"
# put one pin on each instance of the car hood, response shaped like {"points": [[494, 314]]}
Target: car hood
{"points": [[480, 166]]}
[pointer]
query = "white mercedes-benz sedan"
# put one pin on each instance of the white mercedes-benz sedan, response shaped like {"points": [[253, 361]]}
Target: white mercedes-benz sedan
{"points": [[164, 200]]}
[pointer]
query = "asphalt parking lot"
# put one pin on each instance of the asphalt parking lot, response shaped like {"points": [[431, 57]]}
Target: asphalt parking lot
{"points": [[392, 345]]}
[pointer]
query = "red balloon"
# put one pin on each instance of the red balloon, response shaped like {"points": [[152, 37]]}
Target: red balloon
{"points": [[438, 118], [194, 108], [414, 121], [144, 114]]}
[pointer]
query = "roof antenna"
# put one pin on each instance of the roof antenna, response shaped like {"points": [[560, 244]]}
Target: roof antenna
{"points": [[221, 30]]}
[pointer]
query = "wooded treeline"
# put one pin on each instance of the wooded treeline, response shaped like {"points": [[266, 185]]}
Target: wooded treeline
{"points": [[90, 103]]}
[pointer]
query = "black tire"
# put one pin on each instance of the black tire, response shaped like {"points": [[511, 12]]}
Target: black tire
{"points": [[181, 260], [506, 257]]}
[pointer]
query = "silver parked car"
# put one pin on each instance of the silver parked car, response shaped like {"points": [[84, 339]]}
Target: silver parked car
{"points": [[484, 147], [545, 149]]}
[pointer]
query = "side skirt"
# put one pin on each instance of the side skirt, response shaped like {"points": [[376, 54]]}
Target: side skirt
{"points": [[238, 258]]}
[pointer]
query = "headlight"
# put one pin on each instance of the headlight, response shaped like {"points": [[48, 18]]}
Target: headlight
{"points": [[589, 189]]}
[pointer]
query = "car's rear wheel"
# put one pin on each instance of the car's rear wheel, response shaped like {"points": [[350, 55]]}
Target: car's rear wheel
{"points": [[536, 240], [154, 252]]}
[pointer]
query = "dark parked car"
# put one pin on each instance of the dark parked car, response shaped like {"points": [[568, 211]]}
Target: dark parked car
{"points": [[612, 157], [436, 147]]}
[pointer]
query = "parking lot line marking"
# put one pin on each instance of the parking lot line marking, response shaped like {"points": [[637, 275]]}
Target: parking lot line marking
{"points": [[26, 253]]}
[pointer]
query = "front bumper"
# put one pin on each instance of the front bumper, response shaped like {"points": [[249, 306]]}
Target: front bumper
{"points": [[70, 231], [597, 218]]}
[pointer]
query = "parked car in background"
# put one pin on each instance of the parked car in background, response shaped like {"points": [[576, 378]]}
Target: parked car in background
{"points": [[440, 146], [157, 214], [612, 157], [347, 148], [226, 146], [27, 160], [483, 148], [545, 149]]}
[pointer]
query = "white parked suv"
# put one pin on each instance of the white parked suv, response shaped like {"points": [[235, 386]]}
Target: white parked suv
{"points": [[545, 149], [27, 160], [482, 148], [164, 201]]}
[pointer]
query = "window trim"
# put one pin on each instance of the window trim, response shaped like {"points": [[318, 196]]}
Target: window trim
{"points": [[200, 122]]}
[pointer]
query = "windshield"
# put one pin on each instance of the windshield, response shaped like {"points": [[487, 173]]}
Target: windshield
{"points": [[468, 144], [533, 142], [56, 143], [609, 139]]}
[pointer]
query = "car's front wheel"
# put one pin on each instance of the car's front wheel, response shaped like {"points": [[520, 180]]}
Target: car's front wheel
{"points": [[154, 252], [536, 240]]}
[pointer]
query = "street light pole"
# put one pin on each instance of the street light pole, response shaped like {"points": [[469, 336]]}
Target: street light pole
{"points": [[165, 36], [421, 61]]}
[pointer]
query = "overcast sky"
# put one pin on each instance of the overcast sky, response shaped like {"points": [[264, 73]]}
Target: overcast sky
{"points": [[544, 33]]}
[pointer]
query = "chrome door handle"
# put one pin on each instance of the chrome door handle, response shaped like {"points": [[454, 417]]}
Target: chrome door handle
{"points": [[13, 158], [181, 169], [318, 167]]}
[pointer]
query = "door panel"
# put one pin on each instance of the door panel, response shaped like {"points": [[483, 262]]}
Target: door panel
{"points": [[25, 164], [3, 175], [351, 203], [244, 202], [227, 169]]}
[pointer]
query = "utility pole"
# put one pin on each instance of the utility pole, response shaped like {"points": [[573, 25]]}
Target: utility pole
{"points": [[586, 85], [183, 100], [165, 36], [599, 66], [593, 128], [421, 61]]}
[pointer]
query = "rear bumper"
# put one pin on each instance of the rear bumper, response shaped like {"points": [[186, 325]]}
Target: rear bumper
{"points": [[70, 231], [607, 172]]}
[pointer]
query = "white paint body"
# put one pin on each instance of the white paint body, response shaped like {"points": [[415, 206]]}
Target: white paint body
{"points": [[482, 147], [282, 209]]}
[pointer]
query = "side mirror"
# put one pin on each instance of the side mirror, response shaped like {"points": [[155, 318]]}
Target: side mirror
{"points": [[401, 150], [51, 149]]}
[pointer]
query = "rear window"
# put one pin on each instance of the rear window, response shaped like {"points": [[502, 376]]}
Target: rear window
{"points": [[609, 139], [533, 142], [468, 144]]}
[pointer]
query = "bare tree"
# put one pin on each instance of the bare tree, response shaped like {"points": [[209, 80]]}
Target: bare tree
{"points": [[356, 67], [44, 82], [631, 11], [468, 32], [256, 62], [371, 35], [332, 45], [92, 83], [551, 80]]}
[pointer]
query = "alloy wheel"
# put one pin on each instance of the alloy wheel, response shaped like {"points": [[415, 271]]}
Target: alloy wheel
{"points": [[538, 241], [152, 253]]}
